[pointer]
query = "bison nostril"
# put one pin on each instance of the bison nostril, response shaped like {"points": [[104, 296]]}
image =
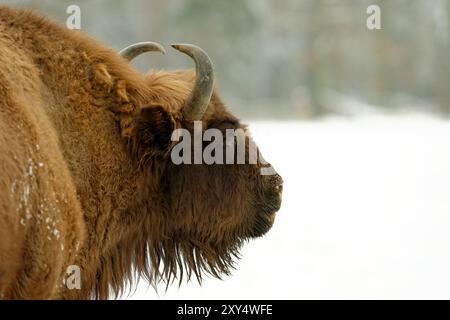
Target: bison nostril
{"points": [[279, 188], [279, 185]]}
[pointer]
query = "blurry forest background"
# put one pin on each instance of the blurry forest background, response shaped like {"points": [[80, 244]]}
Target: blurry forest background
{"points": [[290, 59]]}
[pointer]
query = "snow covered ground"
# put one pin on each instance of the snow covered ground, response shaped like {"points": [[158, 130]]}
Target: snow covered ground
{"points": [[365, 214]]}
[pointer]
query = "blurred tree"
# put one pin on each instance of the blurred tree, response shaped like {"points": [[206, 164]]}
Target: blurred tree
{"points": [[291, 57]]}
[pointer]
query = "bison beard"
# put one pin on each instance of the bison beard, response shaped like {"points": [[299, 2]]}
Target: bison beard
{"points": [[163, 261], [85, 144]]}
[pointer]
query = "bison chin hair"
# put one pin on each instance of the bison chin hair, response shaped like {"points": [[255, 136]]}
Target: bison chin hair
{"points": [[163, 262]]}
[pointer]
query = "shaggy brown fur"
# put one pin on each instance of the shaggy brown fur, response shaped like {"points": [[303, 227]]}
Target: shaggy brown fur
{"points": [[86, 176]]}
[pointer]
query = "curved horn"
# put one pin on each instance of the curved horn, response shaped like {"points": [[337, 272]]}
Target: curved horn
{"points": [[136, 49], [197, 103]]}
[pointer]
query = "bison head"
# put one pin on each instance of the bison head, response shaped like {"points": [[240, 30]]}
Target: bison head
{"points": [[197, 214]]}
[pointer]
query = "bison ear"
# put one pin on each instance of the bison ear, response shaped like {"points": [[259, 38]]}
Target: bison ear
{"points": [[153, 130]]}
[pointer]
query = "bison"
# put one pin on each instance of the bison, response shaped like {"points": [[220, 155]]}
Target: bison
{"points": [[87, 176]]}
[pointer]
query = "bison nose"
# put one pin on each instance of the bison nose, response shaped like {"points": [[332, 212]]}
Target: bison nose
{"points": [[277, 183], [278, 188]]}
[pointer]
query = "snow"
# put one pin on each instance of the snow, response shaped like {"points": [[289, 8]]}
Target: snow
{"points": [[365, 214]]}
